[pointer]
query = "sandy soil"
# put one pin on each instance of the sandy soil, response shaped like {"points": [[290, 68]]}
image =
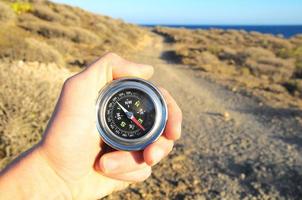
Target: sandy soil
{"points": [[232, 147]]}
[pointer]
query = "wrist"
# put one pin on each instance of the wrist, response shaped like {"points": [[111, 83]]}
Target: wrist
{"points": [[31, 177]]}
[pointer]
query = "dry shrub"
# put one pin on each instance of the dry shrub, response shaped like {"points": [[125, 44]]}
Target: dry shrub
{"points": [[68, 15], [79, 36], [267, 66], [297, 40], [46, 29], [27, 97], [44, 12], [257, 52], [275, 43], [230, 54], [35, 50], [294, 86], [50, 30], [17, 46], [83, 35], [263, 62], [6, 13], [56, 13], [65, 47]]}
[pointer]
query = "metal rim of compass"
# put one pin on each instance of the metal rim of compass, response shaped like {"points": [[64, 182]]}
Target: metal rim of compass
{"points": [[161, 114]]}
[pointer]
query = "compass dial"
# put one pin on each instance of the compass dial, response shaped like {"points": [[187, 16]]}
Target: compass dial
{"points": [[130, 113]]}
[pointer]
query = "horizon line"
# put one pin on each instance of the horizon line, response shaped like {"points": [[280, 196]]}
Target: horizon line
{"points": [[166, 24]]}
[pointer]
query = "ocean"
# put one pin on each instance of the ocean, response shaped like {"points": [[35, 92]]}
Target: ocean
{"points": [[286, 30]]}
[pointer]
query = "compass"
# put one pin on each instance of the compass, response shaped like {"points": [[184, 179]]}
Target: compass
{"points": [[131, 114]]}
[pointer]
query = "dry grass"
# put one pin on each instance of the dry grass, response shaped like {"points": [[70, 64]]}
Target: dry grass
{"points": [[51, 30], [77, 35], [6, 13], [48, 33], [27, 97], [17, 45], [265, 65]]}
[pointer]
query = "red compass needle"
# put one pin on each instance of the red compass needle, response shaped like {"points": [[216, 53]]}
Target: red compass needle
{"points": [[131, 116], [137, 123]]}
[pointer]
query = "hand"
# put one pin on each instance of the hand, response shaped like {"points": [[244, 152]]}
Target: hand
{"points": [[72, 149]]}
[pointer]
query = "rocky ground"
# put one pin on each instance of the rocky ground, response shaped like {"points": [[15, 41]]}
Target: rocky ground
{"points": [[233, 147]]}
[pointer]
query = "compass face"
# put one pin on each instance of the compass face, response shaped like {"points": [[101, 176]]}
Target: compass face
{"points": [[130, 113]]}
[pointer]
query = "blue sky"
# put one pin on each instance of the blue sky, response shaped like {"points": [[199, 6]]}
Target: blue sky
{"points": [[218, 12]]}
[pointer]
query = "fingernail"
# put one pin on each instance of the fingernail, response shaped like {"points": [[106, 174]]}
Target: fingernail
{"points": [[110, 165], [157, 155]]}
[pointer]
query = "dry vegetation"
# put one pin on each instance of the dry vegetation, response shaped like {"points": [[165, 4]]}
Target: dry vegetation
{"points": [[73, 37], [264, 65], [28, 92], [35, 32]]}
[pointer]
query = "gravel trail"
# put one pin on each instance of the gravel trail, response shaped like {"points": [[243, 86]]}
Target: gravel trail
{"points": [[232, 146]]}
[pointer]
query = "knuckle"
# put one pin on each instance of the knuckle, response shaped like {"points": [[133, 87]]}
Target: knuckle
{"points": [[69, 82], [73, 81], [110, 55]]}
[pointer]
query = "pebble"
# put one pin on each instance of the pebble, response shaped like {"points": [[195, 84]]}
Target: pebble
{"points": [[20, 63], [226, 116], [242, 176]]}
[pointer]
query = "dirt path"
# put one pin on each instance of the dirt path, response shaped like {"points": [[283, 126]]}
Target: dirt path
{"points": [[232, 147]]}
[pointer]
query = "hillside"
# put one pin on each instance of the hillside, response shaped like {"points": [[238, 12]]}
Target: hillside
{"points": [[68, 36], [262, 65], [40, 43]]}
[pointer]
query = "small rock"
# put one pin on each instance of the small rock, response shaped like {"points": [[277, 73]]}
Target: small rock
{"points": [[196, 182], [289, 147], [242, 176], [226, 116], [20, 63]]}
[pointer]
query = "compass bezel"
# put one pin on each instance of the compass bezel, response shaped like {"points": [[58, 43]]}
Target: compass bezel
{"points": [[153, 134]]}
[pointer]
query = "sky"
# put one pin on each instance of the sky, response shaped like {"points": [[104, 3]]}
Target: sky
{"points": [[200, 12]]}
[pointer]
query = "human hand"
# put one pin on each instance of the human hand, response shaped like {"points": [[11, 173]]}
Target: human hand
{"points": [[72, 148]]}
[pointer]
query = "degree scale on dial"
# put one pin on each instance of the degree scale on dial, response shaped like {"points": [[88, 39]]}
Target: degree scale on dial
{"points": [[135, 102], [131, 114]]}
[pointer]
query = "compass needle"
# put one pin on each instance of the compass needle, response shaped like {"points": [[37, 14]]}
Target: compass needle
{"points": [[131, 114]]}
